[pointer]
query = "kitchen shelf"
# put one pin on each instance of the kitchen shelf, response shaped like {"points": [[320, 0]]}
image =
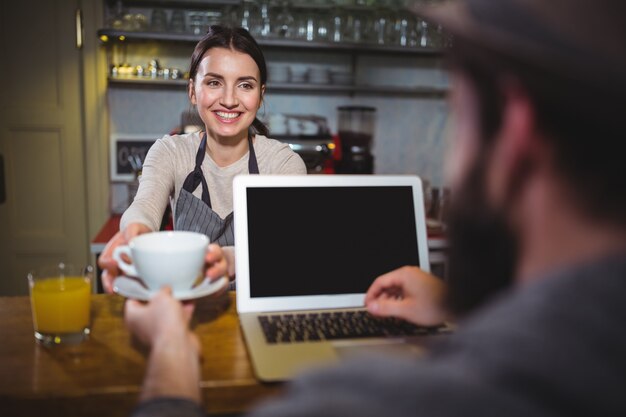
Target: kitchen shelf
{"points": [[153, 82], [107, 35], [191, 4], [358, 89], [178, 4], [421, 91]]}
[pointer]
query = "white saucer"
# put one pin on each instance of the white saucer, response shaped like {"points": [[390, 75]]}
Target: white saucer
{"points": [[132, 288]]}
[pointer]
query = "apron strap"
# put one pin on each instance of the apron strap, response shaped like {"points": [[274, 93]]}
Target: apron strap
{"points": [[196, 177], [253, 167]]}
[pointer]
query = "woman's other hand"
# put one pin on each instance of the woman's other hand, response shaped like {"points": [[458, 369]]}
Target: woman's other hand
{"points": [[216, 261], [109, 267], [408, 293]]}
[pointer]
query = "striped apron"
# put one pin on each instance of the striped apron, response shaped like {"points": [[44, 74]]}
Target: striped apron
{"points": [[195, 215]]}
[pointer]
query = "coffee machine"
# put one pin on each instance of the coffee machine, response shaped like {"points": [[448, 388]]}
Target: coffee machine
{"points": [[309, 136], [355, 139]]}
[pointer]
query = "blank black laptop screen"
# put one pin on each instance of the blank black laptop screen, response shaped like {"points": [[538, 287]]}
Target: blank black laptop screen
{"points": [[327, 240]]}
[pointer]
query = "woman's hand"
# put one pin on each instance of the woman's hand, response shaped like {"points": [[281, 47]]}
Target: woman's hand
{"points": [[408, 293], [106, 261], [220, 261], [216, 263]]}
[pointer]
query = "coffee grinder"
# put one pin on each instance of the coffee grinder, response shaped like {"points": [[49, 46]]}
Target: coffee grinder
{"points": [[356, 133]]}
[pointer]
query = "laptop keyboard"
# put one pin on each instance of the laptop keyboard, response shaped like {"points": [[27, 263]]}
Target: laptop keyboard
{"points": [[293, 328]]}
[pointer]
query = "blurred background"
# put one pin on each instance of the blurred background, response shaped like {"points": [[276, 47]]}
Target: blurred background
{"points": [[354, 86]]}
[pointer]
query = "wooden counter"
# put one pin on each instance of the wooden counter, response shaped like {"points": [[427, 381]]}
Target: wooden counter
{"points": [[102, 376]]}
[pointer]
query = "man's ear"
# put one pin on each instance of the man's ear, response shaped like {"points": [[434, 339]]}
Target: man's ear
{"points": [[191, 92], [516, 144]]}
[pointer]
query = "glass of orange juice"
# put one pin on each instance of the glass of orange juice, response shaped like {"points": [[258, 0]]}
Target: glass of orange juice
{"points": [[60, 297]]}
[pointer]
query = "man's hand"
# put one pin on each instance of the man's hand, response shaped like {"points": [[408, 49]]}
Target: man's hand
{"points": [[162, 317], [408, 293], [163, 326], [106, 261]]}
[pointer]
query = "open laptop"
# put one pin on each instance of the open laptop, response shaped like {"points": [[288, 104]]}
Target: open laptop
{"points": [[307, 250]]}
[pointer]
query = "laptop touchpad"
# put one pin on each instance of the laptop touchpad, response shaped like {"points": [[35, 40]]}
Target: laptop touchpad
{"points": [[394, 348]]}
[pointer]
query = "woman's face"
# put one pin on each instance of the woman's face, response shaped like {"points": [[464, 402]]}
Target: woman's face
{"points": [[227, 91]]}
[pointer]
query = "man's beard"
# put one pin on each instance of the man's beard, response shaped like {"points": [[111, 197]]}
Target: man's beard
{"points": [[483, 250]]}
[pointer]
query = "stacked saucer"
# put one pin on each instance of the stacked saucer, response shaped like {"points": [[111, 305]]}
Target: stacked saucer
{"points": [[319, 76], [341, 77], [299, 74], [278, 73]]}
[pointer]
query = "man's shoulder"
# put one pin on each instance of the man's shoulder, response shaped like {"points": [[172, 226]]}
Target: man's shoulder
{"points": [[579, 293], [562, 331], [600, 284]]}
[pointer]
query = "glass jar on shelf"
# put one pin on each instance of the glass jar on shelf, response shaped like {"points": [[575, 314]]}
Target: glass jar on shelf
{"points": [[405, 29], [249, 17], [265, 15], [338, 23], [158, 20], [431, 35], [177, 22], [357, 25], [198, 24], [324, 25], [383, 26], [116, 18], [283, 21]]}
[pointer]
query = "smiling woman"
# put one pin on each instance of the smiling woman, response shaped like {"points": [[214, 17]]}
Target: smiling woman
{"points": [[227, 92], [194, 172]]}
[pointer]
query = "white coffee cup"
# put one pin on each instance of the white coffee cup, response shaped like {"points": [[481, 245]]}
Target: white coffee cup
{"points": [[173, 258]]}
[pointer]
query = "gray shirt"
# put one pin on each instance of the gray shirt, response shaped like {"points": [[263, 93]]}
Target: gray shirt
{"points": [[554, 347], [172, 158]]}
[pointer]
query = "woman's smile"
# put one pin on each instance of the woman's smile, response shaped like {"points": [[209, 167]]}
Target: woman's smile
{"points": [[228, 116]]}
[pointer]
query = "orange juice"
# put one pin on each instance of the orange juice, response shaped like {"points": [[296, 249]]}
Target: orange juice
{"points": [[61, 305]]}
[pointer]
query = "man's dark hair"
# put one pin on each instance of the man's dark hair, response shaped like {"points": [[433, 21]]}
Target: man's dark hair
{"points": [[583, 123]]}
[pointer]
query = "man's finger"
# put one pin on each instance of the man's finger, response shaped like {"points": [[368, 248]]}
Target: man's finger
{"points": [[188, 309], [388, 307], [381, 285]]}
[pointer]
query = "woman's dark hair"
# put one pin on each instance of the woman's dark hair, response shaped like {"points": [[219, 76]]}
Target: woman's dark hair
{"points": [[584, 124], [237, 39]]}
